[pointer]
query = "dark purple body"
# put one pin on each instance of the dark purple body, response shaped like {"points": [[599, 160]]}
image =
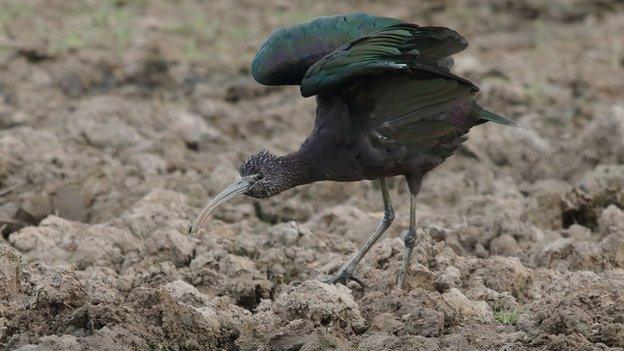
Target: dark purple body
{"points": [[344, 146]]}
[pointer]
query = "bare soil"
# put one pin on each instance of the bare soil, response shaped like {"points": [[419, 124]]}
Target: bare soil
{"points": [[119, 119]]}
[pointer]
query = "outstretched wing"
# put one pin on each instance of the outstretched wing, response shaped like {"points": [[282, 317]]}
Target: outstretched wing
{"points": [[401, 48], [421, 108], [419, 111], [400, 78]]}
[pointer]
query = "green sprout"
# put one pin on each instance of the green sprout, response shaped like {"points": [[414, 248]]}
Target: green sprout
{"points": [[505, 317]]}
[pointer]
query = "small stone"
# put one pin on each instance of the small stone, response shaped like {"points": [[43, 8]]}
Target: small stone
{"points": [[504, 245], [578, 232], [450, 278], [480, 310]]}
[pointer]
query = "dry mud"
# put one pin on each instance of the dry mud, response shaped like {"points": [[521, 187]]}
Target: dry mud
{"points": [[119, 119]]}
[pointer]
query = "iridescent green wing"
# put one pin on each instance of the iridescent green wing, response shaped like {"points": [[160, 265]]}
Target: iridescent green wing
{"points": [[399, 48], [399, 77], [419, 110]]}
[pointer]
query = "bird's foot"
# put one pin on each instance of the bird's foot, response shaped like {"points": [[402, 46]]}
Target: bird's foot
{"points": [[343, 276]]}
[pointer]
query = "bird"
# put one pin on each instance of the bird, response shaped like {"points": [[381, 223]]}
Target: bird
{"points": [[387, 105]]}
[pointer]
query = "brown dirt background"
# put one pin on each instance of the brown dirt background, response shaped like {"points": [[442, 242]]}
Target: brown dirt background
{"points": [[119, 119]]}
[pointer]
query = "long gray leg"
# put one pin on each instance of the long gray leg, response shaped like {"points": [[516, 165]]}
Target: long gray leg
{"points": [[345, 273], [410, 241]]}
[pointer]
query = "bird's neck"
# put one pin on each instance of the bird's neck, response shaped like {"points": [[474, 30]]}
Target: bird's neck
{"points": [[296, 168], [313, 161]]}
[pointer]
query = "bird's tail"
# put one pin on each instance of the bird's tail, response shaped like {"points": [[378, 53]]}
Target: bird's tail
{"points": [[493, 117]]}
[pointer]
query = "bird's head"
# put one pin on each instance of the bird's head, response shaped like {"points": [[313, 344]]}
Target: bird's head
{"points": [[260, 177], [263, 168]]}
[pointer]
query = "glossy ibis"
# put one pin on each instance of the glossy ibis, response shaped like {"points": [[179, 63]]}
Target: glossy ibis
{"points": [[388, 106]]}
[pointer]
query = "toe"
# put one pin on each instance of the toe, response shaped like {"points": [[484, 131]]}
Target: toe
{"points": [[359, 281], [343, 277]]}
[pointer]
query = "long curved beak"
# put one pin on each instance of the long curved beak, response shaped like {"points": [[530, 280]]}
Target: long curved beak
{"points": [[238, 187]]}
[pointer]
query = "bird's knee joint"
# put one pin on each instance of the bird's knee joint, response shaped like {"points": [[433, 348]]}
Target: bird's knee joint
{"points": [[388, 216], [410, 237]]}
